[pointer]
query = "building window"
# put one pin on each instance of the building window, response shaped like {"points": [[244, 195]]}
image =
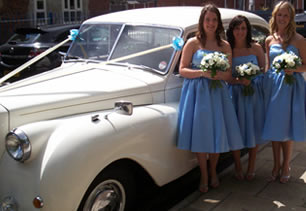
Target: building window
{"points": [[40, 12], [72, 10]]}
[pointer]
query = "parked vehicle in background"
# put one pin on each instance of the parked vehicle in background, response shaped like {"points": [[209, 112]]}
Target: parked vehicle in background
{"points": [[27, 43], [99, 131], [265, 14], [300, 20]]}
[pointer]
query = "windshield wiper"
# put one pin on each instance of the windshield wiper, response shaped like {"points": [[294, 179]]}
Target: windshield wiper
{"points": [[143, 67], [136, 66], [71, 58], [117, 63]]}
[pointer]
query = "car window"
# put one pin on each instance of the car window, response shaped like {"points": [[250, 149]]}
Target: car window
{"points": [[259, 34], [112, 41], [95, 41], [300, 20], [47, 37], [136, 39], [301, 29], [24, 38], [177, 66]]}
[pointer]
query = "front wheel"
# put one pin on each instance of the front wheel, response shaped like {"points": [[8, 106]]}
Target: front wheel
{"points": [[113, 190]]}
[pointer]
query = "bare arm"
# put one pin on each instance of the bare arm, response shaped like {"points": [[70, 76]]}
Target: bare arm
{"points": [[227, 75], [188, 51], [301, 43], [267, 46], [260, 54]]}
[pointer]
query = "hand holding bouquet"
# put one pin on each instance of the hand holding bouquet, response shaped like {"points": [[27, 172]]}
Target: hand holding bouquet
{"points": [[287, 60], [214, 62], [247, 71]]}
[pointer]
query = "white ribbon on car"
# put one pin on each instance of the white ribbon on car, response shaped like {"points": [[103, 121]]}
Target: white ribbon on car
{"points": [[177, 44]]}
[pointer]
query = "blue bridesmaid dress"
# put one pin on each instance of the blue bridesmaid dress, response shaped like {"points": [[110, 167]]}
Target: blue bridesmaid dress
{"points": [[207, 121], [249, 109], [285, 104]]}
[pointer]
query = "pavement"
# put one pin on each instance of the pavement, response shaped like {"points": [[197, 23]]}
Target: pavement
{"points": [[259, 194]]}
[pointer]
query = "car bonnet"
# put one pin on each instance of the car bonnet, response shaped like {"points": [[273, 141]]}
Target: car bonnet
{"points": [[78, 88]]}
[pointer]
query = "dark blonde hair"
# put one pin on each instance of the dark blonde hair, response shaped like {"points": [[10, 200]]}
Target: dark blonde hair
{"points": [[201, 35], [291, 28]]}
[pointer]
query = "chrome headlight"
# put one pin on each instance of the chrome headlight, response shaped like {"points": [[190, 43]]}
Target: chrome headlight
{"points": [[18, 145]]}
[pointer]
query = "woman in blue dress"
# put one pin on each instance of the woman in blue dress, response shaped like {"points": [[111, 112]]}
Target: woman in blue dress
{"points": [[285, 114], [207, 122], [249, 109]]}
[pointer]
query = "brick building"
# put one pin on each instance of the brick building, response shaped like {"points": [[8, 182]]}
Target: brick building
{"points": [[97, 7], [25, 13]]}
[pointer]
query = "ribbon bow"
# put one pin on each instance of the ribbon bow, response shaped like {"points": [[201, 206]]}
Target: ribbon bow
{"points": [[177, 43], [73, 34]]}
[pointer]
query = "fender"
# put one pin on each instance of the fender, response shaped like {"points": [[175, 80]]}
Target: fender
{"points": [[78, 150]]}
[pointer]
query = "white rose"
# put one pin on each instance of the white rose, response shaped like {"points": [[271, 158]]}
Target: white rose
{"points": [[209, 56], [203, 62], [291, 63], [244, 67], [248, 71], [223, 62], [210, 61], [277, 66]]}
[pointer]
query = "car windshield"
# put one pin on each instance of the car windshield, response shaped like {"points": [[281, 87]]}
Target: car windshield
{"points": [[127, 44]]}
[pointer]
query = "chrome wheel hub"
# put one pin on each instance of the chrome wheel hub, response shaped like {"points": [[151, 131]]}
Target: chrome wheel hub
{"points": [[107, 196]]}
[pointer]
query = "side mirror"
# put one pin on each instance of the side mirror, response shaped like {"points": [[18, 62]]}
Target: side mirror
{"points": [[122, 107]]}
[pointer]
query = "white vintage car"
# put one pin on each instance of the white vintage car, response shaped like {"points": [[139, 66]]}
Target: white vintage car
{"points": [[89, 134]]}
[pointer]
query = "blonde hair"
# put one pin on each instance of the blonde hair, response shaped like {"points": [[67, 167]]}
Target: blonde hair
{"points": [[291, 28]]}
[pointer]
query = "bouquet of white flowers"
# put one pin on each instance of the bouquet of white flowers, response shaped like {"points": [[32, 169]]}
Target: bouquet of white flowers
{"points": [[247, 71], [214, 62], [286, 60]]}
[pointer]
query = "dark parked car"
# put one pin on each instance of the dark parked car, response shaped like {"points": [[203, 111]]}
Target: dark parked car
{"points": [[265, 14], [300, 20], [27, 43]]}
